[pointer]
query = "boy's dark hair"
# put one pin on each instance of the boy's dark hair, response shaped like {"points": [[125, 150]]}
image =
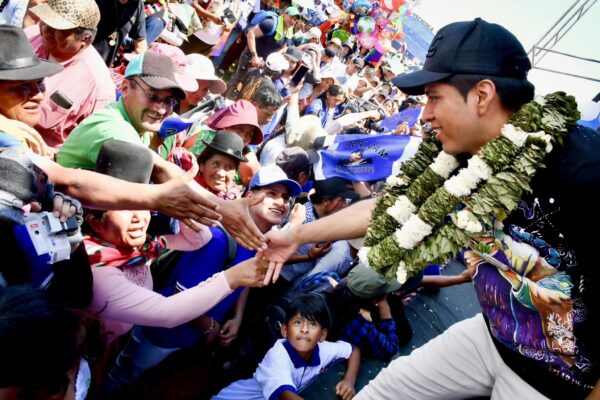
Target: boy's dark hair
{"points": [[311, 306], [267, 96], [335, 90], [513, 92]]}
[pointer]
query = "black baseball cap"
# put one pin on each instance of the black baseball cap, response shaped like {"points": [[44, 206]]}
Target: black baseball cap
{"points": [[334, 187], [470, 47]]}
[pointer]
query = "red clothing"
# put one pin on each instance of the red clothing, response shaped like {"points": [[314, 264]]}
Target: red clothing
{"points": [[85, 81]]}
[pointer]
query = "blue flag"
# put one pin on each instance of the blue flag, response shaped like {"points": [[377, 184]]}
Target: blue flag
{"points": [[365, 157], [410, 116]]}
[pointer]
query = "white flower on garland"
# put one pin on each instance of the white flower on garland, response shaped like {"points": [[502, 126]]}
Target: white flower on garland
{"points": [[401, 274], [362, 255], [412, 232], [515, 135], [467, 221], [402, 209], [444, 164], [547, 138], [462, 184], [479, 168], [396, 181]]}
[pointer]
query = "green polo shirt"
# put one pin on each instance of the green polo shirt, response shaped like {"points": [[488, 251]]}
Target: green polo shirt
{"points": [[81, 148]]}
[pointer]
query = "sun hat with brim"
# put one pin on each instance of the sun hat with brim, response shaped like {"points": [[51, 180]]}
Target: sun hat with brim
{"points": [[201, 67], [367, 284], [242, 112], [155, 70], [272, 174], [229, 144], [18, 61], [68, 14], [470, 47]]}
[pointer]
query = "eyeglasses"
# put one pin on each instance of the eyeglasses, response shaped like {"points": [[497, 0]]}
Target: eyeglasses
{"points": [[169, 102]]}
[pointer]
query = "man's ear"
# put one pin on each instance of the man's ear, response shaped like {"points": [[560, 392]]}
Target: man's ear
{"points": [[323, 335], [485, 91], [284, 330]]}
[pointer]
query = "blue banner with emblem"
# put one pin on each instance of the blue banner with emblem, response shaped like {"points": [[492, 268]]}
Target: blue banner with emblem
{"points": [[363, 158], [410, 116]]}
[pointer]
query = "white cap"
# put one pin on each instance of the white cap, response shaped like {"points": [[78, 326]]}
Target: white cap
{"points": [[277, 62], [202, 68], [336, 41], [313, 33]]}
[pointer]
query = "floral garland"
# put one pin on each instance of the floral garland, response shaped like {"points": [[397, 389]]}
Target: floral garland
{"points": [[418, 220]]}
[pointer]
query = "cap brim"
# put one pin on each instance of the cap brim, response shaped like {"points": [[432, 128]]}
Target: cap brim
{"points": [[187, 82], [257, 137], [51, 18], [349, 194], [393, 286], [293, 186], [218, 86], [414, 82], [41, 70], [160, 83]]}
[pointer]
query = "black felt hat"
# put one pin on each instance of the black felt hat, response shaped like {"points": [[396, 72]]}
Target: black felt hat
{"points": [[18, 61], [228, 143], [123, 160]]}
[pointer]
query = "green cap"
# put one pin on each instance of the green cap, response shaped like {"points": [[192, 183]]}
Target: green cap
{"points": [[292, 11], [367, 284]]}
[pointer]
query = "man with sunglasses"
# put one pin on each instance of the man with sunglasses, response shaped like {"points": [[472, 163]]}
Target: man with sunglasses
{"points": [[150, 91]]}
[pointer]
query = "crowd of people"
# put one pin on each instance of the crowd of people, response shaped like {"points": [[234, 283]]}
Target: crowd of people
{"points": [[157, 194]]}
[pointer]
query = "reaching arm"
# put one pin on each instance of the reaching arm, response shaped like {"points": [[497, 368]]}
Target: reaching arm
{"points": [[175, 198], [345, 388], [349, 223], [234, 213]]}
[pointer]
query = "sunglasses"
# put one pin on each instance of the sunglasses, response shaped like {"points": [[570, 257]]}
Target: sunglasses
{"points": [[169, 102]]}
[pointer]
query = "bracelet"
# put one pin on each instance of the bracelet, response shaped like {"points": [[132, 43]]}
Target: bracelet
{"points": [[213, 324]]}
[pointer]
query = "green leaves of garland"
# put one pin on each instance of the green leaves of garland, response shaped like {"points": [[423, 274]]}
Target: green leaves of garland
{"points": [[513, 169]]}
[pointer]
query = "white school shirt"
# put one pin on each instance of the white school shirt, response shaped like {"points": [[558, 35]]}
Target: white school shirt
{"points": [[283, 369]]}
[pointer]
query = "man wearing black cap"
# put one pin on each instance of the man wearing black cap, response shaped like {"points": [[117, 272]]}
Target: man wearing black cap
{"points": [[535, 338]]}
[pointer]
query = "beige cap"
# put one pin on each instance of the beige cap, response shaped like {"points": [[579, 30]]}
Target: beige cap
{"points": [[68, 14]]}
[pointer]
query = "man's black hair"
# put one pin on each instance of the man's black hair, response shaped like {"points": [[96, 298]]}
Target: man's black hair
{"points": [[311, 306], [513, 93], [267, 96]]}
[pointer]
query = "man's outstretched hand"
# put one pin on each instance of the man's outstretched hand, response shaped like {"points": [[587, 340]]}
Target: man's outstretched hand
{"points": [[237, 221], [281, 246], [179, 199]]}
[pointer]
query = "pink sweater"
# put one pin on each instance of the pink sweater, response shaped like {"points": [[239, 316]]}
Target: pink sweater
{"points": [[121, 303]]}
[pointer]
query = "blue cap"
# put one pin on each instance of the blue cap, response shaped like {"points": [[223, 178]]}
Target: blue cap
{"points": [[272, 174]]}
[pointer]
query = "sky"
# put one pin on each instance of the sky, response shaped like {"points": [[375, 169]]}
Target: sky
{"points": [[529, 20]]}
